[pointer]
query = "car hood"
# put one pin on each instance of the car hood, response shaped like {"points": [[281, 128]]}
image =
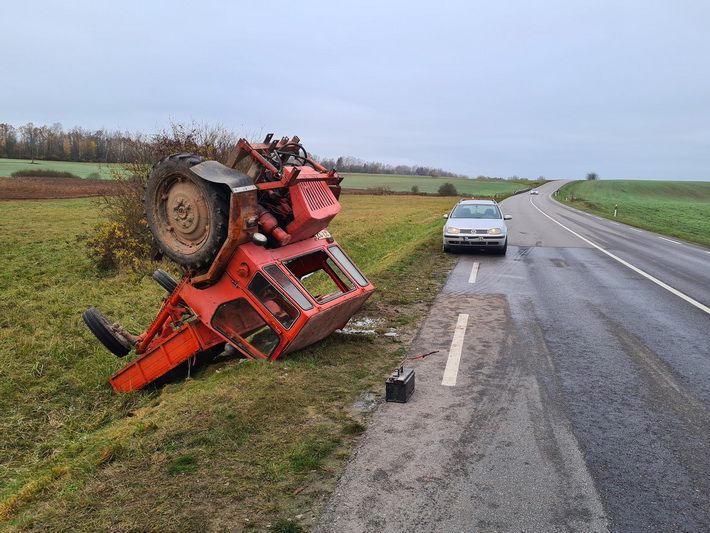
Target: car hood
{"points": [[476, 223]]}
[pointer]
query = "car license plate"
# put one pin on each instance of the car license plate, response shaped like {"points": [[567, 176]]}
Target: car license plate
{"points": [[474, 238]]}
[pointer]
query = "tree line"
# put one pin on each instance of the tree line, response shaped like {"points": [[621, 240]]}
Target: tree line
{"points": [[353, 164], [57, 144], [54, 143]]}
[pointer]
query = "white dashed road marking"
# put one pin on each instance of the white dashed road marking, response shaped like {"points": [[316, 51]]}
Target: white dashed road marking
{"points": [[474, 273], [452, 364]]}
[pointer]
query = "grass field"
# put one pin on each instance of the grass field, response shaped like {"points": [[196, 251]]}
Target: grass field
{"points": [[431, 185], [241, 444], [82, 170], [675, 208]]}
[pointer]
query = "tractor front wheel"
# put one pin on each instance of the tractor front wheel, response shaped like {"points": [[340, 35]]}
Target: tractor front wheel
{"points": [[165, 280], [187, 215], [106, 332]]}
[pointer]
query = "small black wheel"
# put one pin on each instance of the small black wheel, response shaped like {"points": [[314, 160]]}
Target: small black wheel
{"points": [[446, 249], [187, 215], [503, 250], [165, 280], [105, 332]]}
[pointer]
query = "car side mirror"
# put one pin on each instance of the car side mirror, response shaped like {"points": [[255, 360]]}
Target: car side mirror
{"points": [[446, 215], [507, 217]]}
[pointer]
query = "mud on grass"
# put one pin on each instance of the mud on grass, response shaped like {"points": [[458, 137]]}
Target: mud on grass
{"points": [[239, 446]]}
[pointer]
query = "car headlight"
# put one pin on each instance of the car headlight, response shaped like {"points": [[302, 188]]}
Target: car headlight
{"points": [[494, 231], [453, 230]]}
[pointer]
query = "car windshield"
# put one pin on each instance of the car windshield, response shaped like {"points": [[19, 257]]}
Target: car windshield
{"points": [[476, 211]]}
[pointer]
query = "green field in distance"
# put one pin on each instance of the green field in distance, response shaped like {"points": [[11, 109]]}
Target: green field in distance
{"points": [[431, 185], [676, 208], [82, 170]]}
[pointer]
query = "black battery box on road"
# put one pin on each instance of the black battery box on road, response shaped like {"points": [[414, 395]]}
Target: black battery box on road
{"points": [[400, 385]]}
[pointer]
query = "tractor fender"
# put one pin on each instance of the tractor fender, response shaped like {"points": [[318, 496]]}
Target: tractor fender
{"points": [[216, 172]]}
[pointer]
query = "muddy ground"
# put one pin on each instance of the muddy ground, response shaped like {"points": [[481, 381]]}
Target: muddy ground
{"points": [[47, 188]]}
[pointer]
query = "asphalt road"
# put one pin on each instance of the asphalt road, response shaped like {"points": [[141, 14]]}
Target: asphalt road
{"points": [[581, 400]]}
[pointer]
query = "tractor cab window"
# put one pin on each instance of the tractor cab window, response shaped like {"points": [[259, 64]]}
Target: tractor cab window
{"points": [[283, 281], [241, 323], [320, 276], [273, 300], [348, 265]]}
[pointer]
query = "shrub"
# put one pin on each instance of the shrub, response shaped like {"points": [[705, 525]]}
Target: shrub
{"points": [[592, 176], [415, 189], [94, 176], [111, 245], [42, 173], [448, 189], [124, 238]]}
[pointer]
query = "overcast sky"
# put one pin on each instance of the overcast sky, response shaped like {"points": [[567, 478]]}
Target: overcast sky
{"points": [[553, 88]]}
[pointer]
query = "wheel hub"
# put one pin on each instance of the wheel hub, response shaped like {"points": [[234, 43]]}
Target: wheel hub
{"points": [[186, 215]]}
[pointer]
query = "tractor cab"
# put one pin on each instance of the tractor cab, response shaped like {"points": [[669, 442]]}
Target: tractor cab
{"points": [[273, 302]]}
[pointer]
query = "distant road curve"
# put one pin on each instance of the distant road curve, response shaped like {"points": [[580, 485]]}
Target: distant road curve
{"points": [[677, 265]]}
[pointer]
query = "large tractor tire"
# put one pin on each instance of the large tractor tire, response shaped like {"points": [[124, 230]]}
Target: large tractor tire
{"points": [[187, 215]]}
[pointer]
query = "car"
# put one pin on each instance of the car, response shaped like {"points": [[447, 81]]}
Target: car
{"points": [[476, 224], [534, 191]]}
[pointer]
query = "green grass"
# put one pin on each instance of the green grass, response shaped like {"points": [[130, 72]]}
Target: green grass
{"points": [[676, 208], [83, 170], [241, 444], [431, 185]]}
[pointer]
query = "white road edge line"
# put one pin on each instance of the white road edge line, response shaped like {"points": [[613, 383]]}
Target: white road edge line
{"points": [[657, 281], [669, 240], [452, 363], [474, 273]]}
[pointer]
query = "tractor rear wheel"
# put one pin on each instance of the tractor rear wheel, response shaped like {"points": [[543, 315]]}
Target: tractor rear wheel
{"points": [[187, 215], [105, 332]]}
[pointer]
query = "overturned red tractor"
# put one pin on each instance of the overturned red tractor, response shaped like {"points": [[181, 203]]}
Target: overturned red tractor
{"points": [[262, 275]]}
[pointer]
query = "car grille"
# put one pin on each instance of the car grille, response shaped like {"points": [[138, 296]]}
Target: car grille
{"points": [[476, 231]]}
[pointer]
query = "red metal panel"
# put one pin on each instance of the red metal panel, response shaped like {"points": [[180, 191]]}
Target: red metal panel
{"points": [[187, 341], [321, 325], [314, 206]]}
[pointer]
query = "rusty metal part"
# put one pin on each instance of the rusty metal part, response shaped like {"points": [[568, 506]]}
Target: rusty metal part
{"points": [[123, 332], [183, 217], [242, 217]]}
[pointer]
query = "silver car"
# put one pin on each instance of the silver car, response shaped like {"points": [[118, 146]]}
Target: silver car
{"points": [[476, 224]]}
